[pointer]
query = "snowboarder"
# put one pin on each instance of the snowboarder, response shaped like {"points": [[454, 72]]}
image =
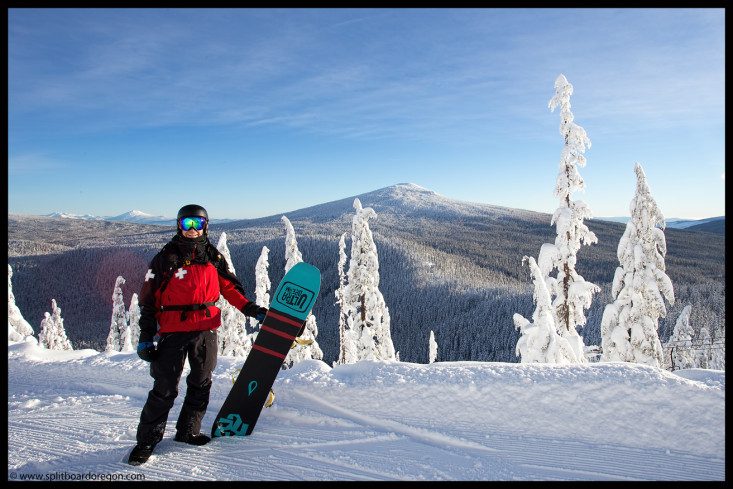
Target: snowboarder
{"points": [[182, 283]]}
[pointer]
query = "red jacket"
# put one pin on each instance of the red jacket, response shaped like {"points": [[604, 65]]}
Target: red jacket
{"points": [[181, 285]]}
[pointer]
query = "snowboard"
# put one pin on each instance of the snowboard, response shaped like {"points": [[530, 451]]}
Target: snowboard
{"points": [[292, 302]]}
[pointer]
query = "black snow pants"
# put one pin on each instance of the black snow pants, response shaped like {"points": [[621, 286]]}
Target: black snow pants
{"points": [[166, 368]]}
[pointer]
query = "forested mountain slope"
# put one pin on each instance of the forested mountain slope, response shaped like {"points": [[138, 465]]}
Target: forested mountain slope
{"points": [[449, 266]]}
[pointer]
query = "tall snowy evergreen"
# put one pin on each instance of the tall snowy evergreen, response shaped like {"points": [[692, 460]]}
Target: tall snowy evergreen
{"points": [[292, 254], [717, 354], [629, 324], [540, 341], [18, 327], [133, 320], [305, 350], [432, 348], [347, 353], [262, 285], [118, 338], [223, 248], [366, 312], [232, 335], [702, 348], [53, 335], [679, 345], [572, 293]]}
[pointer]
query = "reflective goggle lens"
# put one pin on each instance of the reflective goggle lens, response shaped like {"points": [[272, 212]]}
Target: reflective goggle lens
{"points": [[196, 223]]}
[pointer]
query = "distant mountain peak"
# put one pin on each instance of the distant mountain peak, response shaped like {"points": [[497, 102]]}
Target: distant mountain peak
{"points": [[143, 218], [412, 186], [66, 215]]}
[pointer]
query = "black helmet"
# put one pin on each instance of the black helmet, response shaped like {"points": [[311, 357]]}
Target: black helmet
{"points": [[192, 210]]}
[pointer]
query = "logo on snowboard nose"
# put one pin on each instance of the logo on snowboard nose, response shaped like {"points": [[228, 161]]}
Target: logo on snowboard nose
{"points": [[231, 426], [295, 297]]}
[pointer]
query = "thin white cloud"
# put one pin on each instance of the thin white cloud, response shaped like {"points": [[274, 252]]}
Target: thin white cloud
{"points": [[384, 71]]}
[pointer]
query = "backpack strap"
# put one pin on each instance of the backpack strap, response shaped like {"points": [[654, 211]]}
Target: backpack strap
{"points": [[189, 307]]}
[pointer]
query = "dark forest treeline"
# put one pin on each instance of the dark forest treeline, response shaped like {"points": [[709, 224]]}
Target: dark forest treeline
{"points": [[450, 267]]}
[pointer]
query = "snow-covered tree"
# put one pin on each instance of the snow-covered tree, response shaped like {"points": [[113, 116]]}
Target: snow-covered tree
{"points": [[572, 293], [703, 345], [18, 327], [292, 254], [53, 335], [118, 338], [629, 324], [680, 343], [262, 285], [309, 348], [540, 341], [717, 355], [347, 353], [433, 348], [232, 337], [367, 315], [223, 248], [133, 320]]}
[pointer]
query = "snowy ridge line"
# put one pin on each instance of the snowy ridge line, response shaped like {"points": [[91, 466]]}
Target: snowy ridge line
{"points": [[421, 434]]}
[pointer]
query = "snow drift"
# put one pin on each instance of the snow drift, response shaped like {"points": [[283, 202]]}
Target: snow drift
{"points": [[72, 413]]}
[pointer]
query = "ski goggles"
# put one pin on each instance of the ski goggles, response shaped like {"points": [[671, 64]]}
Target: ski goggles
{"points": [[196, 223]]}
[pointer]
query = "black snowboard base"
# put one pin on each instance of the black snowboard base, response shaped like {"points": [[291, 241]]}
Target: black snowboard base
{"points": [[284, 321]]}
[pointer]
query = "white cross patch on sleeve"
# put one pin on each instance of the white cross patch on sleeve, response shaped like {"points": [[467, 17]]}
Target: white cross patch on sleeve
{"points": [[181, 272], [149, 275]]}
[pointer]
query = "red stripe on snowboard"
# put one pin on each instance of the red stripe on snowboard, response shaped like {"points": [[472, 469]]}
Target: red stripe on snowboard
{"points": [[268, 351], [285, 319], [279, 333]]}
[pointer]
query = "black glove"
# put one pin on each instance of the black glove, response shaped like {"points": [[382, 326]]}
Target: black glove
{"points": [[146, 350], [252, 310]]}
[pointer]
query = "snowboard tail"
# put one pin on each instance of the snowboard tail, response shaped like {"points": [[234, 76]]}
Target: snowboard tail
{"points": [[293, 301]]}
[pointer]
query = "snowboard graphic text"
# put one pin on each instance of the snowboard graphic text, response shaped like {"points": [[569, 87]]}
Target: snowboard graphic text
{"points": [[295, 297]]}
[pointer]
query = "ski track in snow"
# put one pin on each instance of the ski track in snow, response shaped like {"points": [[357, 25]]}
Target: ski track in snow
{"points": [[77, 413]]}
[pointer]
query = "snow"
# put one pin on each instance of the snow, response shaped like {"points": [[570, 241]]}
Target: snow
{"points": [[73, 414]]}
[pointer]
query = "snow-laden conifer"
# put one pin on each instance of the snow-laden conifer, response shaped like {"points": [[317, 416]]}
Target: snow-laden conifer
{"points": [[432, 348], [262, 285], [539, 341], [572, 293], [133, 320], [118, 338], [301, 351], [292, 254], [703, 345], [53, 335], [717, 355], [679, 344], [347, 353], [629, 324], [232, 337], [367, 313], [18, 327]]}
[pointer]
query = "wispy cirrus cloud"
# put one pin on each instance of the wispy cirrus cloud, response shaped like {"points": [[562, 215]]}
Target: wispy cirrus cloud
{"points": [[385, 71]]}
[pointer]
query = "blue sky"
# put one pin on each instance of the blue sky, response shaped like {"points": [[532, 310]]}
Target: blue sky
{"points": [[257, 112]]}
